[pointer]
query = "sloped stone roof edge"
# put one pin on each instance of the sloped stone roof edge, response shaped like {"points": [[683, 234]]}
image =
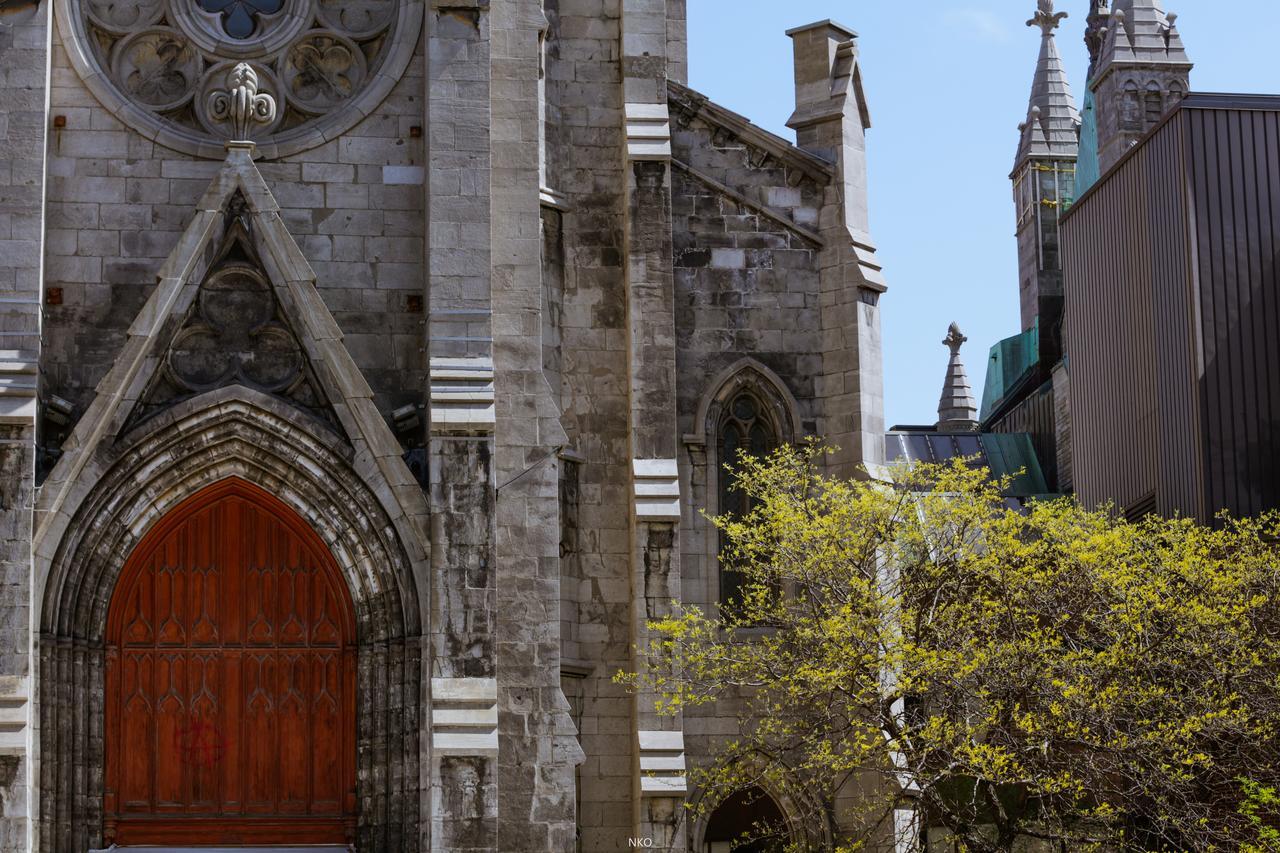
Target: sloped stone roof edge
{"points": [[691, 101]]}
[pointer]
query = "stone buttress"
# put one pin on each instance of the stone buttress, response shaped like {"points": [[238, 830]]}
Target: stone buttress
{"points": [[660, 786], [24, 62]]}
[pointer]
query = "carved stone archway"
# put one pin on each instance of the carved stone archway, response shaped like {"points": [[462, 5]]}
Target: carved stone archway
{"points": [[231, 432], [819, 838]]}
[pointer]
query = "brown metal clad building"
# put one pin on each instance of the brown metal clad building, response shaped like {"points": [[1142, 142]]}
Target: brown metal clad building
{"points": [[1173, 316]]}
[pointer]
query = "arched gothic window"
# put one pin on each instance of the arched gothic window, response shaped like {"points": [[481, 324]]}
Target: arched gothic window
{"points": [[1153, 106], [746, 407], [746, 822], [745, 428]]}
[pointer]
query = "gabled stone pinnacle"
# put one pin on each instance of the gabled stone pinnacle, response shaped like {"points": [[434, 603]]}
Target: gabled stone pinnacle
{"points": [[1050, 130], [1141, 31]]}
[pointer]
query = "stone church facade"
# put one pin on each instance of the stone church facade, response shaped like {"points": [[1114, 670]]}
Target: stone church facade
{"points": [[365, 368]]}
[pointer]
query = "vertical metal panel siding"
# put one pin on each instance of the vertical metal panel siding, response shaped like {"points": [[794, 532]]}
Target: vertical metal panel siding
{"points": [[1110, 346], [1179, 468], [1236, 163], [1173, 318]]}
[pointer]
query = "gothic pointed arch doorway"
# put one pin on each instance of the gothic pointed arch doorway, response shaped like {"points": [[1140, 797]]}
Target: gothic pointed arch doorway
{"points": [[230, 712]]}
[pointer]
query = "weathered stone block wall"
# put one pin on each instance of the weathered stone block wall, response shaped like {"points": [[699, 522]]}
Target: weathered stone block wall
{"points": [[584, 86], [462, 531], [747, 285], [537, 750]]}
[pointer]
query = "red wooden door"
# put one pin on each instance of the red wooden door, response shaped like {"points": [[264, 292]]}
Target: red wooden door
{"points": [[230, 675]]}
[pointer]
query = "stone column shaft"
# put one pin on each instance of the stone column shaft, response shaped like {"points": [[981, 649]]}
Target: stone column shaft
{"points": [[649, 255], [461, 444]]}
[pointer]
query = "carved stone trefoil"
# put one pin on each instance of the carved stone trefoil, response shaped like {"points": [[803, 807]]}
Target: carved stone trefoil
{"points": [[241, 104]]}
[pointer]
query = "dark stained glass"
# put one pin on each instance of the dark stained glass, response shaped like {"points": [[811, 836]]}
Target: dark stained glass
{"points": [[239, 17], [743, 429]]}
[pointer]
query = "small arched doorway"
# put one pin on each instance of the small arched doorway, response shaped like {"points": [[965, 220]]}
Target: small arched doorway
{"points": [[230, 681], [749, 821]]}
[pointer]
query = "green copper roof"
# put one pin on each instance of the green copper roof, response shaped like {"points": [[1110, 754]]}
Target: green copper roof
{"points": [[1003, 454], [1087, 170], [1011, 360]]}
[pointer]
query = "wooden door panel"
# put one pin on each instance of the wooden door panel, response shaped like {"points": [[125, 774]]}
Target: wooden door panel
{"points": [[232, 766], [203, 743], [230, 714], [259, 727], [137, 674], [171, 720], [295, 735], [326, 716], [206, 596]]}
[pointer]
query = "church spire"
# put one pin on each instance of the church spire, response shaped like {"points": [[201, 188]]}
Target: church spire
{"points": [[1044, 183], [957, 410], [1142, 72], [1052, 117]]}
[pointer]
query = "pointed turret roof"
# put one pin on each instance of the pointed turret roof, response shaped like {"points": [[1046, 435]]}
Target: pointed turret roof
{"points": [[1142, 33], [1095, 28], [957, 410], [1052, 118]]}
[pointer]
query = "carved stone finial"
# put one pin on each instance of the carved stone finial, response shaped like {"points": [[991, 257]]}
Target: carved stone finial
{"points": [[957, 409], [241, 103], [1045, 18]]}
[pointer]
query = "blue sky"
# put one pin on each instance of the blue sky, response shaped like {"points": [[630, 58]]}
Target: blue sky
{"points": [[947, 82]]}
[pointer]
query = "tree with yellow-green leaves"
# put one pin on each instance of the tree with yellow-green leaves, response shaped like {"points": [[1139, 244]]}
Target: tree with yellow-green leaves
{"points": [[1007, 673]]}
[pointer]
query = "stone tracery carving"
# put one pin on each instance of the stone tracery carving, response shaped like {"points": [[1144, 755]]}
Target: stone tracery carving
{"points": [[323, 70], [124, 15], [157, 67], [159, 64], [361, 17], [235, 337]]}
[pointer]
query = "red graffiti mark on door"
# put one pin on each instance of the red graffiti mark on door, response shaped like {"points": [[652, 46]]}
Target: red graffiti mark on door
{"points": [[200, 743]]}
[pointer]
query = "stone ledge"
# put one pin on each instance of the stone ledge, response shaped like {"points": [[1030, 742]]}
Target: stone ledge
{"points": [[18, 387], [15, 694], [464, 716], [662, 764], [656, 489], [462, 396], [648, 131]]}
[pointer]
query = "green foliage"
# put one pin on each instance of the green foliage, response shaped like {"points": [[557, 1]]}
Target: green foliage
{"points": [[1261, 808], [1014, 673]]}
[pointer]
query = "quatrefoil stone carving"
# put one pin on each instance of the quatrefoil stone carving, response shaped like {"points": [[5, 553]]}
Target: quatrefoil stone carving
{"points": [[158, 65]]}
